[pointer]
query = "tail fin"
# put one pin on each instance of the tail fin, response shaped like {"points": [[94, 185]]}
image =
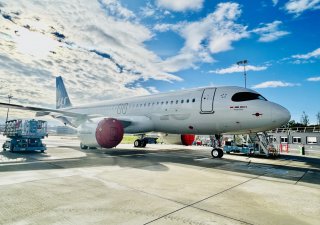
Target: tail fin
{"points": [[62, 98]]}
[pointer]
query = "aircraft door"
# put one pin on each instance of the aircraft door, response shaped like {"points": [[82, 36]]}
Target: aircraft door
{"points": [[207, 100]]}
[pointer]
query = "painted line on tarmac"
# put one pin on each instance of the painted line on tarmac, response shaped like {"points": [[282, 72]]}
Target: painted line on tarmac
{"points": [[201, 159]]}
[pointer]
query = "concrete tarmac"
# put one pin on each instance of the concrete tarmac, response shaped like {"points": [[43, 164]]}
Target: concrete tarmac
{"points": [[161, 184]]}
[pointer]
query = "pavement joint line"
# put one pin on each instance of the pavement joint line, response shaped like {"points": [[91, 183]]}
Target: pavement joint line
{"points": [[172, 200], [302, 176], [219, 214], [192, 204]]}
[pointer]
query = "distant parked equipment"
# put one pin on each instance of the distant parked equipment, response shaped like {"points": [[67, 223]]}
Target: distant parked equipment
{"points": [[25, 135], [256, 144]]}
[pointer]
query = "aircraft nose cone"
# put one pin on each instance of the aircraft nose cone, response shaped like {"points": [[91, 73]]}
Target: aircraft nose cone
{"points": [[280, 115]]}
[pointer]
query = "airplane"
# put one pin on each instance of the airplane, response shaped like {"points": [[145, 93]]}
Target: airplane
{"points": [[200, 111]]}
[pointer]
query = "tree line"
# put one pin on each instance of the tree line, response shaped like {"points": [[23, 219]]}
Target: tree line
{"points": [[304, 121]]}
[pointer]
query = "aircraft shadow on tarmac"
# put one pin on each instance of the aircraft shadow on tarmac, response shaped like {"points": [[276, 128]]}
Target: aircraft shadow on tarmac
{"points": [[154, 160]]}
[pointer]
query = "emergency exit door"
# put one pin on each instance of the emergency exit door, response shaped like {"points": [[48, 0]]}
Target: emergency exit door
{"points": [[207, 100]]}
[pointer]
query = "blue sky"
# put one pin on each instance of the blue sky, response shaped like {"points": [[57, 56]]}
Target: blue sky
{"points": [[108, 48]]}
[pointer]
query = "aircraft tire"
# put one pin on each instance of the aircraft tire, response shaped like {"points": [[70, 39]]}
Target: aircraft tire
{"points": [[137, 143], [220, 153], [143, 143], [82, 146], [217, 153]]}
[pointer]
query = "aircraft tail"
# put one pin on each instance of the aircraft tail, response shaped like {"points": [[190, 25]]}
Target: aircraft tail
{"points": [[62, 98]]}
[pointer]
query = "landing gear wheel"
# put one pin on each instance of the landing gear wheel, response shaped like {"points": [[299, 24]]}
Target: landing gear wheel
{"points": [[137, 143], [143, 143], [82, 146], [42, 151], [140, 143], [217, 153]]}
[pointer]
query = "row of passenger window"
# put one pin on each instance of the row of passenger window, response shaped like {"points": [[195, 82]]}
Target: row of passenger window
{"points": [[162, 103]]}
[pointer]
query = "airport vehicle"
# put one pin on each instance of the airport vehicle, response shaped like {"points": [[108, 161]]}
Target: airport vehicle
{"points": [[230, 146], [250, 149], [256, 147], [25, 135], [207, 110]]}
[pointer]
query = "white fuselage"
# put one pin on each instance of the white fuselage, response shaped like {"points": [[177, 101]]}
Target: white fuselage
{"points": [[208, 110]]}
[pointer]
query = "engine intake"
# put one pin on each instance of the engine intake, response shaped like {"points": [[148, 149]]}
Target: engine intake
{"points": [[179, 139], [187, 139], [109, 132], [101, 132]]}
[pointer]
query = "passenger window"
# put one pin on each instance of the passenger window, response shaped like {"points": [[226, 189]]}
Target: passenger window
{"points": [[246, 96], [187, 100], [166, 102], [171, 102], [177, 101], [194, 100], [181, 101]]}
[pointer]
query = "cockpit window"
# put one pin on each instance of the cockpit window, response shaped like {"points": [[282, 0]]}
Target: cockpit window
{"points": [[246, 96]]}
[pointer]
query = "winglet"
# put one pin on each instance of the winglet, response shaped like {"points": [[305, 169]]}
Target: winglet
{"points": [[62, 98]]}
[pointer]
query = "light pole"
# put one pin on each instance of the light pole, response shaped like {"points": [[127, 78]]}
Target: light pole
{"points": [[9, 97], [5, 126], [244, 63]]}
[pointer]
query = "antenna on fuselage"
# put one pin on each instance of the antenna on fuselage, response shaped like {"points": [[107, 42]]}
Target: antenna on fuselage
{"points": [[244, 63]]}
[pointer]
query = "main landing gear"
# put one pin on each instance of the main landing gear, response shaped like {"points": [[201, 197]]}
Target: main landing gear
{"points": [[82, 146], [140, 143], [217, 153]]}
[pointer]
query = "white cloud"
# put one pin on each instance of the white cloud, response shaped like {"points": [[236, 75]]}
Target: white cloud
{"points": [[235, 69], [114, 8], [180, 5], [275, 2], [153, 89], [299, 6], [313, 54], [270, 31], [148, 10], [313, 79], [274, 84], [164, 27], [213, 34], [97, 46]]}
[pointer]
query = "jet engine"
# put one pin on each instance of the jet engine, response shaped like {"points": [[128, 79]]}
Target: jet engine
{"points": [[105, 133], [179, 139]]}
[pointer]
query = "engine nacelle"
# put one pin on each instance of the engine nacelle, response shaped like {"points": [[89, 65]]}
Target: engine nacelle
{"points": [[187, 139], [105, 133], [179, 139]]}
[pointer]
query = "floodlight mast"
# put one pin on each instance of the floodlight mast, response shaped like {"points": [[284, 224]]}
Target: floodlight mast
{"points": [[9, 97], [5, 128], [244, 63]]}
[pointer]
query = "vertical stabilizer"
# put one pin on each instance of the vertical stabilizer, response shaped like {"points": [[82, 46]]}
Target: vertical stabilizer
{"points": [[62, 98]]}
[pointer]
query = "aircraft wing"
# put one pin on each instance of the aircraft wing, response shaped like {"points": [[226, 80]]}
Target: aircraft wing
{"points": [[42, 111], [62, 115]]}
